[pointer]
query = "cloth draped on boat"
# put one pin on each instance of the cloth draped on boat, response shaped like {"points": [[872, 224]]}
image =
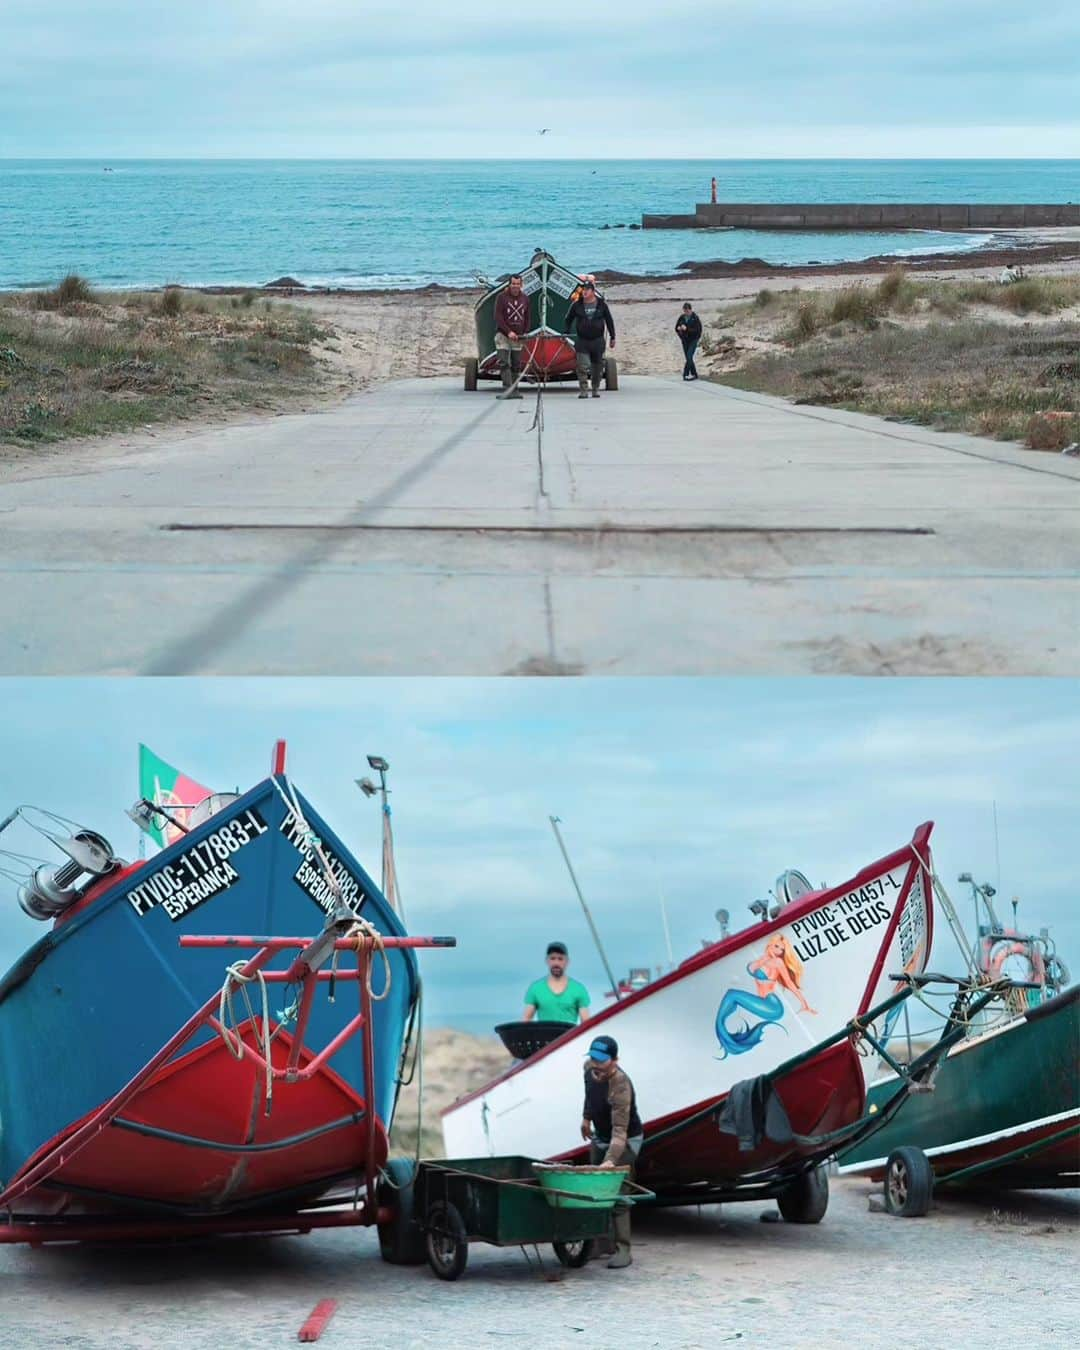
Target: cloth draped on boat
{"points": [[753, 1112]]}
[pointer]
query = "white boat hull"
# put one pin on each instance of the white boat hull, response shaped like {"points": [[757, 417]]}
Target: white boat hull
{"points": [[722, 1016]]}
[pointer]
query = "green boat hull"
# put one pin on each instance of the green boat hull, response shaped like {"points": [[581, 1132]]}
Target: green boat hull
{"points": [[1004, 1112], [547, 354]]}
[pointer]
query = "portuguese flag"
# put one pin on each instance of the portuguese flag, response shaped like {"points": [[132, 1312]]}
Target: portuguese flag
{"points": [[165, 786]]}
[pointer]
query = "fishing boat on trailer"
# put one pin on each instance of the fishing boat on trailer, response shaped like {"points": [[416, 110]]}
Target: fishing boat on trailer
{"points": [[1004, 1109], [547, 353], [798, 1004], [163, 1071]]}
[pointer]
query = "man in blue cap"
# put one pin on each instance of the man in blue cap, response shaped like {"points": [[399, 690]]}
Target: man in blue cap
{"points": [[611, 1125]]}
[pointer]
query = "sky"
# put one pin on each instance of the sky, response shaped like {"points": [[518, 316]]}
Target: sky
{"points": [[696, 792], [690, 78]]}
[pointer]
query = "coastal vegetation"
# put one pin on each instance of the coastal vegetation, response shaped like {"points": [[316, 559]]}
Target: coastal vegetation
{"points": [[975, 356], [76, 362]]}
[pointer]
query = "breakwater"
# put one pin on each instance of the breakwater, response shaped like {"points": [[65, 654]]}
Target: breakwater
{"points": [[866, 216]]}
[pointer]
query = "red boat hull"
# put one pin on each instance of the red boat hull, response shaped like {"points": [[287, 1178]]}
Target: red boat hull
{"points": [[544, 356], [823, 1094], [210, 1096]]}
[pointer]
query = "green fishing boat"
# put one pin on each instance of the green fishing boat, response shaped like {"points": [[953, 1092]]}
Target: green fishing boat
{"points": [[1003, 1110], [547, 353]]}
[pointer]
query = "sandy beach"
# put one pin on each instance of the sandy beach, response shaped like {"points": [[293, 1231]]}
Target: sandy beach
{"points": [[392, 335]]}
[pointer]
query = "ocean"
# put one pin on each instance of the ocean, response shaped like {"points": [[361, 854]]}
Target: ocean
{"points": [[406, 223]]}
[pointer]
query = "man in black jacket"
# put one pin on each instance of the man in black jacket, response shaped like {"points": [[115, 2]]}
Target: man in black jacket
{"points": [[587, 318], [688, 328]]}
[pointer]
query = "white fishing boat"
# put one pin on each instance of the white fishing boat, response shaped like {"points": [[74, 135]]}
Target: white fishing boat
{"points": [[777, 1002]]}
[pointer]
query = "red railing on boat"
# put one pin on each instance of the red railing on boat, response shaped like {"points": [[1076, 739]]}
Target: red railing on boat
{"points": [[303, 970]]}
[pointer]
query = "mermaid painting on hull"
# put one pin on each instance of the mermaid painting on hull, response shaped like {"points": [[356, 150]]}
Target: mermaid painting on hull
{"points": [[778, 965]]}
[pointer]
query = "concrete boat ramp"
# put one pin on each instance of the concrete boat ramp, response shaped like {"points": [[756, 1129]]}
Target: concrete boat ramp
{"points": [[664, 529]]}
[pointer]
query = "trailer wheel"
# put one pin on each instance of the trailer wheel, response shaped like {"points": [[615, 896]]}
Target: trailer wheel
{"points": [[611, 374], [806, 1199], [909, 1183], [401, 1241], [447, 1243], [472, 370], [574, 1255]]}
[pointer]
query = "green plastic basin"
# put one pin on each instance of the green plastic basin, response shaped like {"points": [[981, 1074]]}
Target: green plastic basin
{"points": [[580, 1187]]}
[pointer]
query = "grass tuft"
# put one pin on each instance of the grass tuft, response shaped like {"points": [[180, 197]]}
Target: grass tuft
{"points": [[172, 302], [808, 320], [72, 290], [855, 304]]}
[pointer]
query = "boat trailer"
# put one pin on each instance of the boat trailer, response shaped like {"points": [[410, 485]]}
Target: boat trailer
{"points": [[792, 1183], [363, 1207]]}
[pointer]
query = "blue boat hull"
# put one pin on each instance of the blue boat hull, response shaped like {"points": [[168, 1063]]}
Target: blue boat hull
{"points": [[91, 1003]]}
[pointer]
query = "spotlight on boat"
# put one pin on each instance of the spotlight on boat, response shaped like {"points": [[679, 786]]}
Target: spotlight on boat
{"points": [[791, 885], [210, 806], [723, 918], [366, 786], [761, 909], [144, 814], [377, 762]]}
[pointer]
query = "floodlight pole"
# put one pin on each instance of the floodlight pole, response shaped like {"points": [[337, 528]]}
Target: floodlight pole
{"points": [[389, 883], [592, 926], [389, 870]]}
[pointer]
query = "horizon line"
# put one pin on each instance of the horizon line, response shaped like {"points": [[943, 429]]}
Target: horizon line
{"points": [[538, 159]]}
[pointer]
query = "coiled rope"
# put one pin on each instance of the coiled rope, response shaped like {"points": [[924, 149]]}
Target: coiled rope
{"points": [[234, 1041]]}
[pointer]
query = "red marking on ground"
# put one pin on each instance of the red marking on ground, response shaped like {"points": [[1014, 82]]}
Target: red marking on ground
{"points": [[314, 1327]]}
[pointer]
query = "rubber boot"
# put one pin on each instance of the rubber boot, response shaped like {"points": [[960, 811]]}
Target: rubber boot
{"points": [[622, 1258], [515, 372], [583, 377]]}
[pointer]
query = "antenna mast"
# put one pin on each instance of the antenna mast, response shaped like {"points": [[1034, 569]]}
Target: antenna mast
{"points": [[592, 926]]}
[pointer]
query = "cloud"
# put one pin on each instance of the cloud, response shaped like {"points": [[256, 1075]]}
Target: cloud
{"points": [[254, 78]]}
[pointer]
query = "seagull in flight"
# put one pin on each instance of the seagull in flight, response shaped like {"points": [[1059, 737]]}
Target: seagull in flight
{"points": [[543, 131]]}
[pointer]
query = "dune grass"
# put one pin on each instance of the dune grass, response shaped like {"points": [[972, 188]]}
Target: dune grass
{"points": [[75, 362], [1004, 381], [897, 294]]}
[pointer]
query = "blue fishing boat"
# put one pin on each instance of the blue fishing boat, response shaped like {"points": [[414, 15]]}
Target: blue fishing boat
{"points": [[208, 1040]]}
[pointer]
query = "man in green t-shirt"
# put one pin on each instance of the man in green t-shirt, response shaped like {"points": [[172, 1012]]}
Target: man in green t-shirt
{"points": [[556, 998]]}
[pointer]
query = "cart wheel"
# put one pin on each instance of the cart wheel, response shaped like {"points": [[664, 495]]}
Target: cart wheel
{"points": [[806, 1199], [472, 368], [611, 374], [909, 1183], [447, 1243], [574, 1254], [401, 1241]]}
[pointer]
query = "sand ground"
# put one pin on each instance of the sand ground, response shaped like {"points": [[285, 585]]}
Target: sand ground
{"points": [[400, 334], [988, 1272]]}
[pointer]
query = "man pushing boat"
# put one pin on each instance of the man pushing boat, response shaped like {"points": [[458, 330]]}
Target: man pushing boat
{"points": [[611, 1126], [511, 324], [587, 318]]}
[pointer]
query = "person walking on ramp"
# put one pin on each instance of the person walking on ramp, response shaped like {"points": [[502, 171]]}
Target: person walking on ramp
{"points": [[688, 327], [587, 318]]}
